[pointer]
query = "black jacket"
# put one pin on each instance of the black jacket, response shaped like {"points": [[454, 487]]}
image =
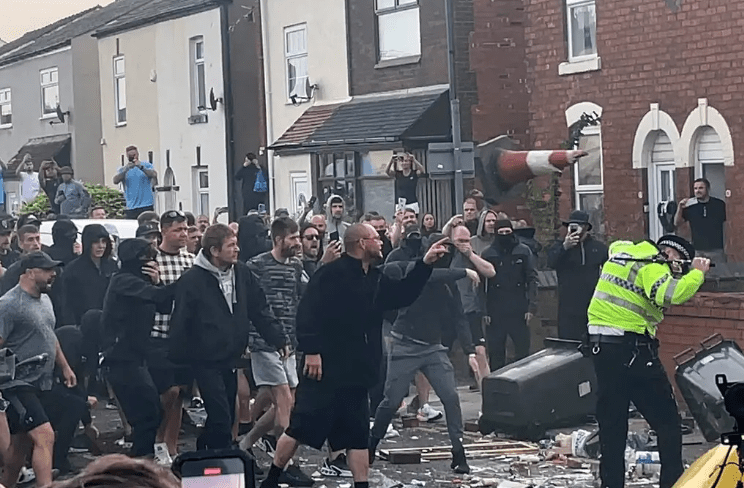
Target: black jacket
{"points": [[204, 331], [340, 317], [437, 314], [513, 291], [252, 237], [578, 271]]}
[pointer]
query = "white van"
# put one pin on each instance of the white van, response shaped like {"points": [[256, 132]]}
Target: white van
{"points": [[122, 228]]}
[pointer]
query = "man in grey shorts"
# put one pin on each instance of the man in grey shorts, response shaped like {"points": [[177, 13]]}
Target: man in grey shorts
{"points": [[280, 273]]}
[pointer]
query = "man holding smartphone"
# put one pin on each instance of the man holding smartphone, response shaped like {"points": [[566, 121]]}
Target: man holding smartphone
{"points": [[706, 215], [578, 260], [137, 177]]}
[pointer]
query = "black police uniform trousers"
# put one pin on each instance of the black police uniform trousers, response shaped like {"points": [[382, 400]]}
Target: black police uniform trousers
{"points": [[629, 369]]}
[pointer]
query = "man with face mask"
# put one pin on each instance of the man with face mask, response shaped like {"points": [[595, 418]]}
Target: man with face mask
{"points": [[511, 297], [128, 313], [8, 255], [416, 345], [636, 285], [280, 274], [578, 260], [411, 246]]}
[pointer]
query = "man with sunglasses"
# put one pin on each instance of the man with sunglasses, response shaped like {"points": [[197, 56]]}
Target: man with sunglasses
{"points": [[173, 261]]}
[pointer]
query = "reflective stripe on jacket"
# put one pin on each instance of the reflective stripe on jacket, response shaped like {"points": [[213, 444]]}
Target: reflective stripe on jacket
{"points": [[631, 296]]}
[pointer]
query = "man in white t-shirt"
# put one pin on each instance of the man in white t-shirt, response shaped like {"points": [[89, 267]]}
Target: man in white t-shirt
{"points": [[29, 179]]}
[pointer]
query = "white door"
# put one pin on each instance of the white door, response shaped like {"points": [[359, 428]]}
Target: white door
{"points": [[661, 180]]}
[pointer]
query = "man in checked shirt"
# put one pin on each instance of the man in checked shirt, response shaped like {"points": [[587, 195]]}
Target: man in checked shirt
{"points": [[173, 260]]}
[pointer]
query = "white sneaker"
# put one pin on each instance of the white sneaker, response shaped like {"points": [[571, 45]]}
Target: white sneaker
{"points": [[162, 456], [26, 476], [428, 414]]}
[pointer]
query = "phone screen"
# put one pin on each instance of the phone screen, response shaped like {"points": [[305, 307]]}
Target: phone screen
{"points": [[209, 473], [334, 236]]}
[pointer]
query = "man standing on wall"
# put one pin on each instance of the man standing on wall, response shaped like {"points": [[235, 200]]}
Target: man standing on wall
{"points": [[137, 177]]}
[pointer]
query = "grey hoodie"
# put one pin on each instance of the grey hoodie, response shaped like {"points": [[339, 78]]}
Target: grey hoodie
{"points": [[226, 279], [482, 241], [334, 225]]}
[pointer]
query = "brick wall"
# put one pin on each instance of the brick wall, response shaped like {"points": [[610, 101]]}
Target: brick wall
{"points": [[650, 54], [706, 314]]}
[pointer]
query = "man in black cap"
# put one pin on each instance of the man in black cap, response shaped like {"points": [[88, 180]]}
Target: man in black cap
{"points": [[27, 328], [637, 283], [511, 297], [150, 231], [578, 260], [72, 197]]}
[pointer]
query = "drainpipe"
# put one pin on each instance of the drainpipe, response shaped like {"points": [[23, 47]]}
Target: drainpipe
{"points": [[268, 95], [228, 107]]}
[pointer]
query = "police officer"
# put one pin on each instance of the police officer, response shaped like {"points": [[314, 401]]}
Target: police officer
{"points": [[636, 285]]}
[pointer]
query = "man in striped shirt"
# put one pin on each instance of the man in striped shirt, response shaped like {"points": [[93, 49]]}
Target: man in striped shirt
{"points": [[173, 260]]}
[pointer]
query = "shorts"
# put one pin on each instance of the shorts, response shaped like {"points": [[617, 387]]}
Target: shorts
{"points": [[269, 369], [338, 415], [248, 373], [475, 319], [35, 414]]}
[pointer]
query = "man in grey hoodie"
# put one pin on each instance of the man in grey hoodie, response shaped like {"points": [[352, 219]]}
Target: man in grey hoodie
{"points": [[335, 210], [483, 239]]}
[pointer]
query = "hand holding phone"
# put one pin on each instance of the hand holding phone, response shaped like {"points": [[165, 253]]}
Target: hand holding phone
{"points": [[334, 236]]}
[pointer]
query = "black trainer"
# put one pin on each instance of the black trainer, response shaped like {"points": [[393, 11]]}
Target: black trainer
{"points": [[459, 462]]}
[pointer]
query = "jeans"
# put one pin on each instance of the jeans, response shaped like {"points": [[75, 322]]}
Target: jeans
{"points": [[135, 212]]}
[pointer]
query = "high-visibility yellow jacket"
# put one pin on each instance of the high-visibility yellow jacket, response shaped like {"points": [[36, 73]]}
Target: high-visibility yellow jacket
{"points": [[631, 296]]}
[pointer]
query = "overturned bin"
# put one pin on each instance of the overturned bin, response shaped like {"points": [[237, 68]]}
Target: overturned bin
{"points": [[553, 388], [695, 376]]}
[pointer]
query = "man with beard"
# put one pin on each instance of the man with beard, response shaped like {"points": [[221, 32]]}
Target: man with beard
{"points": [[335, 225], [85, 281], [8, 256], [29, 240], [128, 314], [311, 249], [217, 301], [402, 220], [280, 273], [339, 328], [27, 328], [511, 299]]}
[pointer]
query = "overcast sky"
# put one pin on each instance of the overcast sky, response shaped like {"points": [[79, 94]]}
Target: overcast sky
{"points": [[20, 16]]}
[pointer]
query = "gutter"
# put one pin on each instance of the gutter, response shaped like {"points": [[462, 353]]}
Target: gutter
{"points": [[268, 102], [155, 19], [228, 107]]}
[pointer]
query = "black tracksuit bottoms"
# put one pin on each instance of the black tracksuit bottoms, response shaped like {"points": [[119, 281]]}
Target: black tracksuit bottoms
{"points": [[218, 387]]}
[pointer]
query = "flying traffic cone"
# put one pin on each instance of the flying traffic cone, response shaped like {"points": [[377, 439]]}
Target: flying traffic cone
{"points": [[501, 169]]}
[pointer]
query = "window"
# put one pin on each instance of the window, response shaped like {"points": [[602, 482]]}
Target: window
{"points": [[199, 84], [588, 178], [295, 54], [582, 29], [6, 109], [120, 87], [709, 154], [398, 29], [337, 175], [49, 91], [201, 185]]}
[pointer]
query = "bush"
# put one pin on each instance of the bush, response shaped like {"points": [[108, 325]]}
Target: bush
{"points": [[110, 199]]}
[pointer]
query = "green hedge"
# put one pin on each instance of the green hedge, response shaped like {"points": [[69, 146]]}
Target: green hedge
{"points": [[101, 195]]}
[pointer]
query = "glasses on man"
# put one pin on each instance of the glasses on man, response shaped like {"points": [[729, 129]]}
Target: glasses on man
{"points": [[174, 214]]}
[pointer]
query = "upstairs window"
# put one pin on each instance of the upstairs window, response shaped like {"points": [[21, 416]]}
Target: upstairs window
{"points": [[120, 88], [582, 29], [49, 91], [295, 55], [398, 29], [6, 109], [198, 84]]}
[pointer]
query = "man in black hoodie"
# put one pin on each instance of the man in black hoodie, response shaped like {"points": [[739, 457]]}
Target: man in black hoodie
{"points": [[339, 328], [64, 234], [253, 236], [86, 279], [416, 345], [511, 296], [216, 303], [128, 315]]}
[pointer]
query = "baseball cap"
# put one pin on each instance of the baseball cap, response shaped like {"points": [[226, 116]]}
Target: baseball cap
{"points": [[40, 260], [29, 219], [6, 224], [147, 228]]}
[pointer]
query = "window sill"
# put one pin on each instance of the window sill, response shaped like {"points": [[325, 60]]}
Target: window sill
{"points": [[48, 116], [585, 66], [198, 119], [389, 63], [6, 126], [121, 124]]}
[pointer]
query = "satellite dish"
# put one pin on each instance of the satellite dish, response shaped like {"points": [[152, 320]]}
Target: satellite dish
{"points": [[61, 115], [213, 101], [303, 93]]}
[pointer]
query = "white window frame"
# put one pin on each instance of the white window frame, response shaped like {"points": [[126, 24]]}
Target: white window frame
{"points": [[198, 106], [393, 7], [199, 191], [570, 4], [54, 73], [118, 98], [6, 101], [290, 56], [579, 189]]}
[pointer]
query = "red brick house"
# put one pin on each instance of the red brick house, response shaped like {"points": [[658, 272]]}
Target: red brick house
{"points": [[666, 78]]}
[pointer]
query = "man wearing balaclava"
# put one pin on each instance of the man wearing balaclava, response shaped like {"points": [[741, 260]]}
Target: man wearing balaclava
{"points": [[511, 295]]}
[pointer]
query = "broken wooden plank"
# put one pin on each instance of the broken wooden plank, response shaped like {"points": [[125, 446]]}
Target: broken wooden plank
{"points": [[405, 458]]}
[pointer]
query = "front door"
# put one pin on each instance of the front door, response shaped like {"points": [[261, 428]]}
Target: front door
{"points": [[663, 181]]}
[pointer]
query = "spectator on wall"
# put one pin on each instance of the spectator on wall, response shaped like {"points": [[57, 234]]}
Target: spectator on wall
{"points": [[137, 177], [254, 186], [406, 171]]}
